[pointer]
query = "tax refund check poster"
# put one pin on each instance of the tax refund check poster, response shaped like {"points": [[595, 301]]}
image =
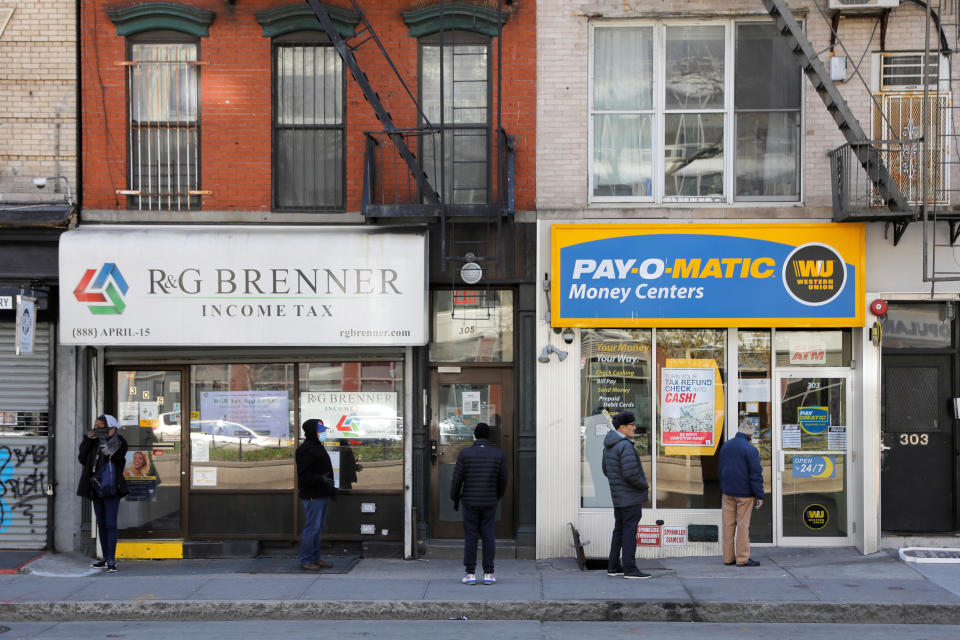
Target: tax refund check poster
{"points": [[707, 275]]}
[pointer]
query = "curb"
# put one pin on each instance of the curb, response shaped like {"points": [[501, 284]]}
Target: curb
{"points": [[557, 611]]}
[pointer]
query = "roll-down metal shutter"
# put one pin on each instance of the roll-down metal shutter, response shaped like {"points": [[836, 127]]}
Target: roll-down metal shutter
{"points": [[24, 443]]}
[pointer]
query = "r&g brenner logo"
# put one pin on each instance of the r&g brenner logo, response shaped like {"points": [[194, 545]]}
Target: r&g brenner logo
{"points": [[814, 274], [109, 288]]}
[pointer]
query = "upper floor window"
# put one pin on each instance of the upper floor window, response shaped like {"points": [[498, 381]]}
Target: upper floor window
{"points": [[706, 112], [459, 114], [163, 88], [308, 124]]}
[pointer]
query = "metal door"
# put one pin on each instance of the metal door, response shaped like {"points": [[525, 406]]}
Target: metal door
{"points": [[460, 401], [917, 462], [811, 440]]}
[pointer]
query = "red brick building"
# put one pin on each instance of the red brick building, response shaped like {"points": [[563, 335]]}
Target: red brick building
{"points": [[211, 120]]}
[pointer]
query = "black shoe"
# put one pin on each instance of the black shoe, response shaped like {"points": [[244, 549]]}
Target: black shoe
{"points": [[749, 563], [615, 572], [99, 564], [636, 575], [112, 568], [729, 564]]}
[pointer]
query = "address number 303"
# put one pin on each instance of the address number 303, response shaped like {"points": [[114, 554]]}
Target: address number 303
{"points": [[914, 439]]}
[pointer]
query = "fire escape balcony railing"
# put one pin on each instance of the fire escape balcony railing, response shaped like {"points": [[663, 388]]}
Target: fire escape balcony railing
{"points": [[855, 195], [389, 190]]}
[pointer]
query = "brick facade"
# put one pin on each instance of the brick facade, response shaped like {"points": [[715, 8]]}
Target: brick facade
{"points": [[235, 101], [38, 56]]}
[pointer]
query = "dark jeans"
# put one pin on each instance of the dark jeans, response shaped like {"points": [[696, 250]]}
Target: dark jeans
{"points": [[479, 523], [314, 522], [624, 538], [106, 512]]}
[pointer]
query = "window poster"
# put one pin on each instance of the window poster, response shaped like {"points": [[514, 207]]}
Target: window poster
{"points": [[837, 438], [790, 436], [129, 414], [359, 415], [267, 413], [618, 377], [204, 476], [149, 413], [141, 477], [687, 399], [471, 403]]}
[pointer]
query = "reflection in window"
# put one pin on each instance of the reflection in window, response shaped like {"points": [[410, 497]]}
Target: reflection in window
{"points": [[472, 326], [241, 430], [686, 481], [614, 377], [753, 405], [361, 405], [923, 325]]}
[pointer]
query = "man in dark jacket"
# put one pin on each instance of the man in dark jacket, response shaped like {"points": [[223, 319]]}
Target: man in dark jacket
{"points": [[315, 481], [479, 482], [628, 489], [101, 446], [741, 481]]}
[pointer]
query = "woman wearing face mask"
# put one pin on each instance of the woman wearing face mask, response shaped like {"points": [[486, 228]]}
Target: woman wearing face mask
{"points": [[104, 445]]}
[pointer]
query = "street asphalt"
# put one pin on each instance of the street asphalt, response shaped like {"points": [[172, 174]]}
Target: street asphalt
{"points": [[790, 585]]}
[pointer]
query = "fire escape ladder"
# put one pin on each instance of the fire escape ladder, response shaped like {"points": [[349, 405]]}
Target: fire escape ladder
{"points": [[346, 54], [867, 154]]}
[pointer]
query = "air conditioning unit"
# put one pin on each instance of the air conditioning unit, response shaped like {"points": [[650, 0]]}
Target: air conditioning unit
{"points": [[862, 6]]}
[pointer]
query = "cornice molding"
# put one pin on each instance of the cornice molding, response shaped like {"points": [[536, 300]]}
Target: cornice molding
{"points": [[299, 17], [455, 17], [162, 15]]}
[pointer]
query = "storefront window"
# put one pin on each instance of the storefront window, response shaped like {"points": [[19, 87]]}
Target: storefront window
{"points": [[242, 434], [690, 374], [361, 404], [472, 325], [753, 405], [813, 348], [614, 377]]}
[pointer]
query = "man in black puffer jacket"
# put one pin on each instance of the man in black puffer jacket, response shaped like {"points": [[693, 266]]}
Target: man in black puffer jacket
{"points": [[628, 488], [316, 487], [479, 481]]}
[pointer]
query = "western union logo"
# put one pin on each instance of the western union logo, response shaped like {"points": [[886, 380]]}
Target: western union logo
{"points": [[814, 274]]}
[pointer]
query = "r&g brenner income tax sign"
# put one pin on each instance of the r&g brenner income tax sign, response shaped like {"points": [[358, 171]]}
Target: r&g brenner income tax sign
{"points": [[204, 285], [708, 275]]}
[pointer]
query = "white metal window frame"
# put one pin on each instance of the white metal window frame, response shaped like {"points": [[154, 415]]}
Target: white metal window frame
{"points": [[658, 111]]}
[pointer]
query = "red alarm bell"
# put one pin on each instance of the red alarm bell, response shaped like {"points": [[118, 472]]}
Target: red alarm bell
{"points": [[878, 307]]}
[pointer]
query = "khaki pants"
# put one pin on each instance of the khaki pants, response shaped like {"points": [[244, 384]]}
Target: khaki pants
{"points": [[736, 517]]}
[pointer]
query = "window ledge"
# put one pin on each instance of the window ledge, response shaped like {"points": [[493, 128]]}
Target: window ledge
{"points": [[216, 217]]}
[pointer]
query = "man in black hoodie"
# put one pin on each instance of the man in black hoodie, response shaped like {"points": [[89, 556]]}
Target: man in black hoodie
{"points": [[479, 481], [315, 479]]}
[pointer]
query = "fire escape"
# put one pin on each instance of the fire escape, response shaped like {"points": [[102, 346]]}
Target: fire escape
{"points": [[405, 173], [900, 174]]}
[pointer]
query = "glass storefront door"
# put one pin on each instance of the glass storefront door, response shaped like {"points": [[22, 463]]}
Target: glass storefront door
{"points": [[813, 433], [148, 406], [460, 402]]}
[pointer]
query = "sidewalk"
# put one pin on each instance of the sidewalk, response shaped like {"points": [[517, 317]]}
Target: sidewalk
{"points": [[790, 585]]}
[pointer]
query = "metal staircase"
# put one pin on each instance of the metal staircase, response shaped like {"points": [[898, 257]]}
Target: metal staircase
{"points": [[866, 153], [364, 35]]}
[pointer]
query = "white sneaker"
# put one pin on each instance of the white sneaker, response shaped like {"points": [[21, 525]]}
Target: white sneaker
{"points": [[489, 579], [470, 578]]}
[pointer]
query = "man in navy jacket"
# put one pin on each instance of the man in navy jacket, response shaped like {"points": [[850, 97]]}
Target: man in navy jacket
{"points": [[479, 482], [741, 481], [629, 490]]}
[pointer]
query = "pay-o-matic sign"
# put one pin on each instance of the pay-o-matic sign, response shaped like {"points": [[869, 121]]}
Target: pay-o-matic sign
{"points": [[242, 286], [757, 275]]}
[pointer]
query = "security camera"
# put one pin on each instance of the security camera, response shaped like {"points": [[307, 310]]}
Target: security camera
{"points": [[568, 335], [39, 183], [547, 350]]}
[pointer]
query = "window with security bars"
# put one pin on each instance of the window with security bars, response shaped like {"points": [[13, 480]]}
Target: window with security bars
{"points": [[900, 71], [461, 136], [308, 125], [163, 87]]}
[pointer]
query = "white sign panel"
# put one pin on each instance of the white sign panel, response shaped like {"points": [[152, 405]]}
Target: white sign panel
{"points": [[359, 415], [26, 324], [6, 303], [204, 285]]}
